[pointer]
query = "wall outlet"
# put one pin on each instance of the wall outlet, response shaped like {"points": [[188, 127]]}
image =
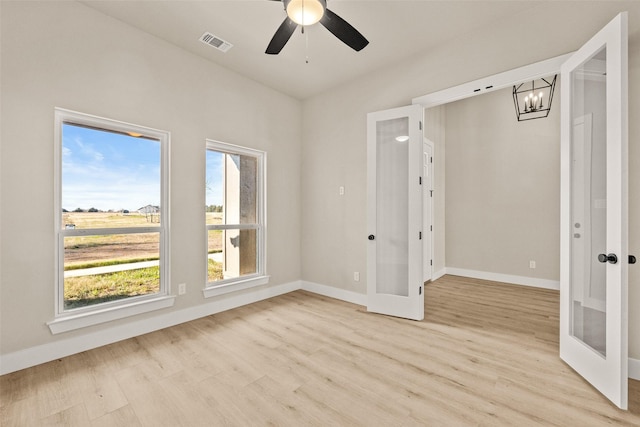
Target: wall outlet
{"points": [[532, 264], [341, 190], [182, 288], [356, 276]]}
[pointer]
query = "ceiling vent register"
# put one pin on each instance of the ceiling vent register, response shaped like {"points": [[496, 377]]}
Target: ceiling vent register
{"points": [[217, 42]]}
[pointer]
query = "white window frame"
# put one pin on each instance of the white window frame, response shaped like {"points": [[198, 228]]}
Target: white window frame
{"points": [[260, 277], [67, 320]]}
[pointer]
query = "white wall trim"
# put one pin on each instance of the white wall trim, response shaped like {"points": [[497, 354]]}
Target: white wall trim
{"points": [[634, 369], [33, 356], [492, 83], [506, 278], [109, 313], [46, 352], [337, 293], [234, 286], [438, 274]]}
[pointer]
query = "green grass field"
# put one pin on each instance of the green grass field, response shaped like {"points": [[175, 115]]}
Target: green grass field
{"points": [[94, 289], [83, 252]]}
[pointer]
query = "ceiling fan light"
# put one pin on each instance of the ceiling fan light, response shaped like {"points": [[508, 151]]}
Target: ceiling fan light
{"points": [[305, 12]]}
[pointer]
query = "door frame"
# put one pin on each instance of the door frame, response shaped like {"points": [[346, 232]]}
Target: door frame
{"points": [[479, 87], [492, 83], [489, 84], [428, 233]]}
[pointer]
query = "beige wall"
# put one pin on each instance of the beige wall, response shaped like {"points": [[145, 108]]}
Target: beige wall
{"points": [[64, 54], [67, 55], [334, 134], [503, 187]]}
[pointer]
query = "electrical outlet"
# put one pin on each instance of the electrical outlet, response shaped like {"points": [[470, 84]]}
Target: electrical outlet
{"points": [[356, 276], [341, 190], [532, 264], [182, 288]]}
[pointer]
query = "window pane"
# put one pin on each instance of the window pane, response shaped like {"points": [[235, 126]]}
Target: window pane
{"points": [[588, 279], [113, 178], [231, 188], [101, 268], [232, 253], [144, 218]]}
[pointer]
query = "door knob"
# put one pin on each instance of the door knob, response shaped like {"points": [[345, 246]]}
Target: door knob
{"points": [[632, 259], [371, 237], [611, 258]]}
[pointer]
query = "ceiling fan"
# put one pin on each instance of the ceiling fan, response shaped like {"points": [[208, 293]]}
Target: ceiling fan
{"points": [[309, 12]]}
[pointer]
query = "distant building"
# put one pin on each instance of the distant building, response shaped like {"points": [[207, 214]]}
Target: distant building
{"points": [[152, 213], [149, 209]]}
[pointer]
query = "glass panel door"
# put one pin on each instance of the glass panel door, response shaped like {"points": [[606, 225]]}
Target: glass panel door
{"points": [[594, 251], [589, 202], [394, 203]]}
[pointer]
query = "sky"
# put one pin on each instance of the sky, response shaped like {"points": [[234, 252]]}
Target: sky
{"points": [[214, 178], [106, 170], [111, 171]]}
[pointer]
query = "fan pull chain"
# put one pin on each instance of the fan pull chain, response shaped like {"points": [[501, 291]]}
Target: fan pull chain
{"points": [[306, 37], [306, 45]]}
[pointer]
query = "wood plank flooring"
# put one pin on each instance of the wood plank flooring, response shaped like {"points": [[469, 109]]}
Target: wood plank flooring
{"points": [[485, 355]]}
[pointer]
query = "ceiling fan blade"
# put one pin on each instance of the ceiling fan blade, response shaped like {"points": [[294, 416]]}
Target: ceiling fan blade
{"points": [[343, 30], [281, 37]]}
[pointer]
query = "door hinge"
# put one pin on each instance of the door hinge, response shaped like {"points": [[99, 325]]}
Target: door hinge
{"points": [[419, 290], [420, 124], [431, 262], [420, 180], [431, 228], [420, 235], [431, 193], [431, 159]]}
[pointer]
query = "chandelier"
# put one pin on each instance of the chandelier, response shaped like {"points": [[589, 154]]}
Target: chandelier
{"points": [[533, 100]]}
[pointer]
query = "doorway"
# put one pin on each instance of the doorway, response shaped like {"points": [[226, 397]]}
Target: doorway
{"points": [[606, 368]]}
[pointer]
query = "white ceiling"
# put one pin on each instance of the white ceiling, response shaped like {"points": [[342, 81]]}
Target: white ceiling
{"points": [[396, 30]]}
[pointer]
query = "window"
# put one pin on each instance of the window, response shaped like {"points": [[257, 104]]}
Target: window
{"points": [[111, 215], [235, 218]]}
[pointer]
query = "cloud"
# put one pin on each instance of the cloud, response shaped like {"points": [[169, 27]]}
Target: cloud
{"points": [[108, 171]]}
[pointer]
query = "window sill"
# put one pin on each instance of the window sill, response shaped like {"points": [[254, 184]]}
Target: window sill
{"points": [[82, 320], [236, 285]]}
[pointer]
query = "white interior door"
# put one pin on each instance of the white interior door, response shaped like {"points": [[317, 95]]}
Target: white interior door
{"points": [[427, 210], [594, 247], [394, 212]]}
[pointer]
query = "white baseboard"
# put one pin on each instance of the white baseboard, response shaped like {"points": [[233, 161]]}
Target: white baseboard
{"points": [[61, 348], [438, 274], [46, 352], [634, 369], [506, 278], [337, 293]]}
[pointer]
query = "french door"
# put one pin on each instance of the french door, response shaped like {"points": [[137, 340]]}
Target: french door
{"points": [[394, 212], [594, 223]]}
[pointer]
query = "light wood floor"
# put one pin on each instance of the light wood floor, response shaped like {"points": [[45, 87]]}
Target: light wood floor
{"points": [[485, 355]]}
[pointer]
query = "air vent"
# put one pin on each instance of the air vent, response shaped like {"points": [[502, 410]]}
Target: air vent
{"points": [[216, 42]]}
